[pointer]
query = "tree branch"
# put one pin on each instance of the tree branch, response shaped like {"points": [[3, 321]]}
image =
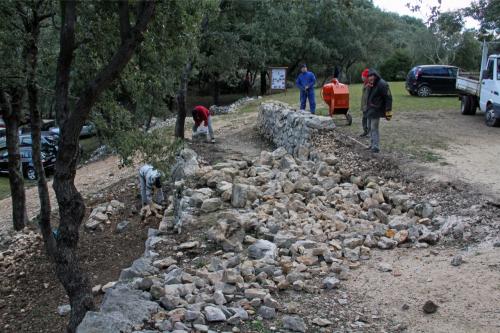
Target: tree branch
{"points": [[67, 42], [124, 12], [115, 66]]}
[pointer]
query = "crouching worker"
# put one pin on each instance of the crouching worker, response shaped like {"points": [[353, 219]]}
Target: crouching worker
{"points": [[202, 115], [151, 192]]}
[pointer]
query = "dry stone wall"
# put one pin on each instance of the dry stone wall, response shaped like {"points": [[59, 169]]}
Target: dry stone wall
{"points": [[291, 129]]}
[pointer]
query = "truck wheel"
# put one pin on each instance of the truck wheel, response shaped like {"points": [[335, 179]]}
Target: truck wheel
{"points": [[467, 105], [424, 91], [489, 117]]}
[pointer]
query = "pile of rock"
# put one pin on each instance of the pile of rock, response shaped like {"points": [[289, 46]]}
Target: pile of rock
{"points": [[101, 214], [22, 246], [281, 223], [218, 110], [157, 123], [290, 129]]}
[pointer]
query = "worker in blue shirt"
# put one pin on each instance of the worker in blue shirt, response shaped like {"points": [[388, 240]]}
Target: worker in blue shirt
{"points": [[305, 82]]}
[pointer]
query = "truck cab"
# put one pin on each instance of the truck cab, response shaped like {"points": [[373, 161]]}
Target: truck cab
{"points": [[489, 100]]}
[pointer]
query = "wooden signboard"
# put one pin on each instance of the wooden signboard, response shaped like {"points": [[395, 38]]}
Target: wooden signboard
{"points": [[278, 78]]}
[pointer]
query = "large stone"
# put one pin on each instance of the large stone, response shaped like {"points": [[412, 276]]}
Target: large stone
{"points": [[331, 283], [294, 324], [98, 322], [131, 303], [252, 293], [239, 195], [386, 243], [211, 205], [140, 268], [267, 312], [263, 249], [214, 314]]}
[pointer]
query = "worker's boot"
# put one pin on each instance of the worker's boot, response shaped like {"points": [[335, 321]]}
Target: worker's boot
{"points": [[365, 133]]}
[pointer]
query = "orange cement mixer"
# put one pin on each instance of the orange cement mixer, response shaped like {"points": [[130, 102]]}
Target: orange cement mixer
{"points": [[336, 96]]}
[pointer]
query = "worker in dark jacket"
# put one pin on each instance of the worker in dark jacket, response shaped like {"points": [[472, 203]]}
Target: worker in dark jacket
{"points": [[305, 82], [202, 115], [379, 105], [364, 100]]}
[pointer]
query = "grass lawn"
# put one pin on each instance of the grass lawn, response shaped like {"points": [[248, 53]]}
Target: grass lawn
{"points": [[4, 187], [413, 129]]}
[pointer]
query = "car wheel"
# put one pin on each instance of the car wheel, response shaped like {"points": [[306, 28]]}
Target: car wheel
{"points": [[467, 106], [489, 117], [424, 91], [31, 173]]}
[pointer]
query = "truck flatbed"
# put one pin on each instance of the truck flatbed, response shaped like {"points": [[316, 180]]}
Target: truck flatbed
{"points": [[468, 83]]}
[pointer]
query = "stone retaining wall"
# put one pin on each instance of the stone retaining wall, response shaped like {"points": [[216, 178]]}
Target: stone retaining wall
{"points": [[291, 129]]}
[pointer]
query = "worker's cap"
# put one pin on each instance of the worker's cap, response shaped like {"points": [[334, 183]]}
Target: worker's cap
{"points": [[303, 65], [365, 73]]}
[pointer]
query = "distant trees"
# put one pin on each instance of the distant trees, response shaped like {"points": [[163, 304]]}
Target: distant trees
{"points": [[396, 67]]}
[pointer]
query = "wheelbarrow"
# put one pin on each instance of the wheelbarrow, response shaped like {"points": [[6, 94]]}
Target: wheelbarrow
{"points": [[336, 96]]}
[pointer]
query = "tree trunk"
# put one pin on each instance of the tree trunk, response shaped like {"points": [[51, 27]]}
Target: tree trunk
{"points": [[181, 98], [11, 111], [216, 92], [263, 83], [147, 125], [71, 204], [31, 63]]}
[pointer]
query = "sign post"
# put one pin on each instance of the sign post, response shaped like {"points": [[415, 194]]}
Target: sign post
{"points": [[278, 78]]}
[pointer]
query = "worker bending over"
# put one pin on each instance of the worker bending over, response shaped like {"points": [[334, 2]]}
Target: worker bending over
{"points": [[305, 82], [151, 192], [202, 115]]}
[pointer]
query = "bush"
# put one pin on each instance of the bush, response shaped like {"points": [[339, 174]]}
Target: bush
{"points": [[396, 66]]}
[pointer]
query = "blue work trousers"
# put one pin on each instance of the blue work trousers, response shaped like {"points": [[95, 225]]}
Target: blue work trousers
{"points": [[304, 96]]}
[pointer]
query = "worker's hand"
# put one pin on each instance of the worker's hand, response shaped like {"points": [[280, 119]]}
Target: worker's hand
{"points": [[155, 206], [155, 209], [146, 211], [388, 115]]}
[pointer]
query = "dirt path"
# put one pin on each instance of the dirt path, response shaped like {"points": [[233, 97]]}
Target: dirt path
{"points": [[473, 154], [236, 136], [104, 173], [467, 295], [469, 150]]}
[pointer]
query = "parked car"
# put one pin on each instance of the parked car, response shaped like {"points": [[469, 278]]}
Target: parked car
{"points": [[427, 80], [28, 168], [88, 129], [48, 141]]}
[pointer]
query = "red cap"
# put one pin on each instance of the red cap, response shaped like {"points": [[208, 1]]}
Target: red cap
{"points": [[365, 73]]}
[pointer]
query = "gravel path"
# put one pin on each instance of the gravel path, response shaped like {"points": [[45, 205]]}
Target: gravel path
{"points": [[104, 173]]}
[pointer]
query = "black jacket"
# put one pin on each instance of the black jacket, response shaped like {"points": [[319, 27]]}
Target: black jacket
{"points": [[379, 97]]}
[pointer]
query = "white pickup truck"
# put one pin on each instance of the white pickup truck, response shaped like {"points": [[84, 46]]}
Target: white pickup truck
{"points": [[482, 89]]}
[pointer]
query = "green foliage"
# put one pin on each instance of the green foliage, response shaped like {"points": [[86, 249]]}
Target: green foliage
{"points": [[396, 66], [157, 148], [468, 54], [487, 12]]}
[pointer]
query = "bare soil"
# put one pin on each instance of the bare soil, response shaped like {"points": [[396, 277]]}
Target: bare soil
{"points": [[462, 148], [31, 293]]}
